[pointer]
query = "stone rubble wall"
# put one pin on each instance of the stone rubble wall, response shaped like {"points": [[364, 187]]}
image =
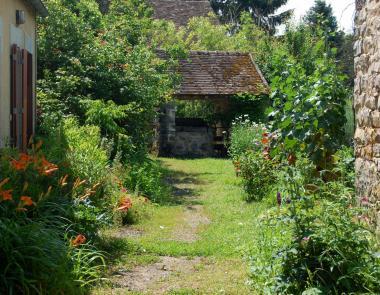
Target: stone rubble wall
{"points": [[367, 103], [193, 142]]}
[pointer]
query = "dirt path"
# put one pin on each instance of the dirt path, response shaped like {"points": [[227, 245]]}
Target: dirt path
{"points": [[182, 247]]}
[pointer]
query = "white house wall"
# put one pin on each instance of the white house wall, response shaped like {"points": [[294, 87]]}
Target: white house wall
{"points": [[10, 33]]}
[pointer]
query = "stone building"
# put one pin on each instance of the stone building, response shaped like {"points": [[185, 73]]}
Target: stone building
{"points": [[212, 76], [205, 76], [367, 102]]}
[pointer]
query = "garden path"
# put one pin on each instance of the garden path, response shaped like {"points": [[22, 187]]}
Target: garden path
{"points": [[194, 245]]}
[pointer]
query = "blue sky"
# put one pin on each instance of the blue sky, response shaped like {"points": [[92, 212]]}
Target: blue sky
{"points": [[344, 11]]}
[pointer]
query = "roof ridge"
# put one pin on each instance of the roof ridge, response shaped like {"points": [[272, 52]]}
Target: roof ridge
{"points": [[219, 52]]}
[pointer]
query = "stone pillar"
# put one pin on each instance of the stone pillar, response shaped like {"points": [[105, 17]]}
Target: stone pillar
{"points": [[104, 5], [367, 103], [167, 129]]}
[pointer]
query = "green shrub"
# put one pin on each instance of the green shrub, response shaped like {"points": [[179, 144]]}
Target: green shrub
{"points": [[308, 109], [258, 175], [87, 159], [147, 178], [320, 242], [84, 156], [246, 136], [36, 227], [331, 250]]}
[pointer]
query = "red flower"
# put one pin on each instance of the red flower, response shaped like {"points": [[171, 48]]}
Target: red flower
{"points": [[22, 163], [47, 168], [78, 240], [264, 140], [6, 195], [27, 201], [125, 204], [292, 159]]}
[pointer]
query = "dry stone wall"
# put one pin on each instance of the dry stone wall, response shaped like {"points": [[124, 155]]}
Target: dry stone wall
{"points": [[367, 103]]}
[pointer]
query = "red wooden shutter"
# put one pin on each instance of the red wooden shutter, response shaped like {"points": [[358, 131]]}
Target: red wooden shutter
{"points": [[16, 97], [27, 93], [22, 102], [13, 94], [30, 99], [24, 98]]}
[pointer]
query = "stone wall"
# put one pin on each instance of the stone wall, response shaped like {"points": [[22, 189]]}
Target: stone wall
{"points": [[104, 5], [367, 103], [193, 142]]}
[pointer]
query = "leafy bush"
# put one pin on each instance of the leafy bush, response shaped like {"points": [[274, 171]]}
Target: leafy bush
{"points": [[258, 174], [329, 248], [36, 228], [95, 57], [309, 109], [249, 150], [331, 251], [245, 136], [147, 179]]}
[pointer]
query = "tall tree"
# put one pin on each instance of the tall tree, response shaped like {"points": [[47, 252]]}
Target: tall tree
{"points": [[321, 15], [263, 12]]}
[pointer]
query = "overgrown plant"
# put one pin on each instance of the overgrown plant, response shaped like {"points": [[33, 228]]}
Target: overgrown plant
{"points": [[332, 249], [37, 227], [308, 110]]}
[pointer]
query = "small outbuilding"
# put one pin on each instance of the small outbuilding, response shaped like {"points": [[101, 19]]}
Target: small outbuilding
{"points": [[212, 76], [18, 70], [206, 76]]}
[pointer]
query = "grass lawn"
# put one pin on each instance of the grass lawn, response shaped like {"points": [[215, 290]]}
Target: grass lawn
{"points": [[208, 222]]}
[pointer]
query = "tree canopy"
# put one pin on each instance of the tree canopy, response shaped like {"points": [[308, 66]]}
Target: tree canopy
{"points": [[322, 15], [263, 12]]}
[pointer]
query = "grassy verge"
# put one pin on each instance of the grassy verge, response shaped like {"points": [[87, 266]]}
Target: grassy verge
{"points": [[223, 242]]}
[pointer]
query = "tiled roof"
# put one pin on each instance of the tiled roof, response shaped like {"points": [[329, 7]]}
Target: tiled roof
{"points": [[180, 11], [39, 7], [208, 73]]}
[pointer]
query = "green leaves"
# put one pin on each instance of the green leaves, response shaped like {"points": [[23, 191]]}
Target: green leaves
{"points": [[309, 108]]}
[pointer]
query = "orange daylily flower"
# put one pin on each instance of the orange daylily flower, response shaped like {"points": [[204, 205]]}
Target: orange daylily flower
{"points": [[47, 168], [264, 140], [125, 204], [6, 195], [79, 240], [27, 201], [22, 163], [63, 180]]}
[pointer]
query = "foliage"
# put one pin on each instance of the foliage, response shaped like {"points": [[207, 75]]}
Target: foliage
{"points": [[245, 137], [200, 109], [147, 179], [258, 174], [91, 56], [308, 110], [37, 229], [262, 12], [321, 14], [331, 249], [249, 150]]}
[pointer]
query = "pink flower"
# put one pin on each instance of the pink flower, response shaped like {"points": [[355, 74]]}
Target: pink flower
{"points": [[364, 201]]}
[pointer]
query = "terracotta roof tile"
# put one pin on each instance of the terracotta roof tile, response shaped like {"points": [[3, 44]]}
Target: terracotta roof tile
{"points": [[208, 73], [180, 11]]}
